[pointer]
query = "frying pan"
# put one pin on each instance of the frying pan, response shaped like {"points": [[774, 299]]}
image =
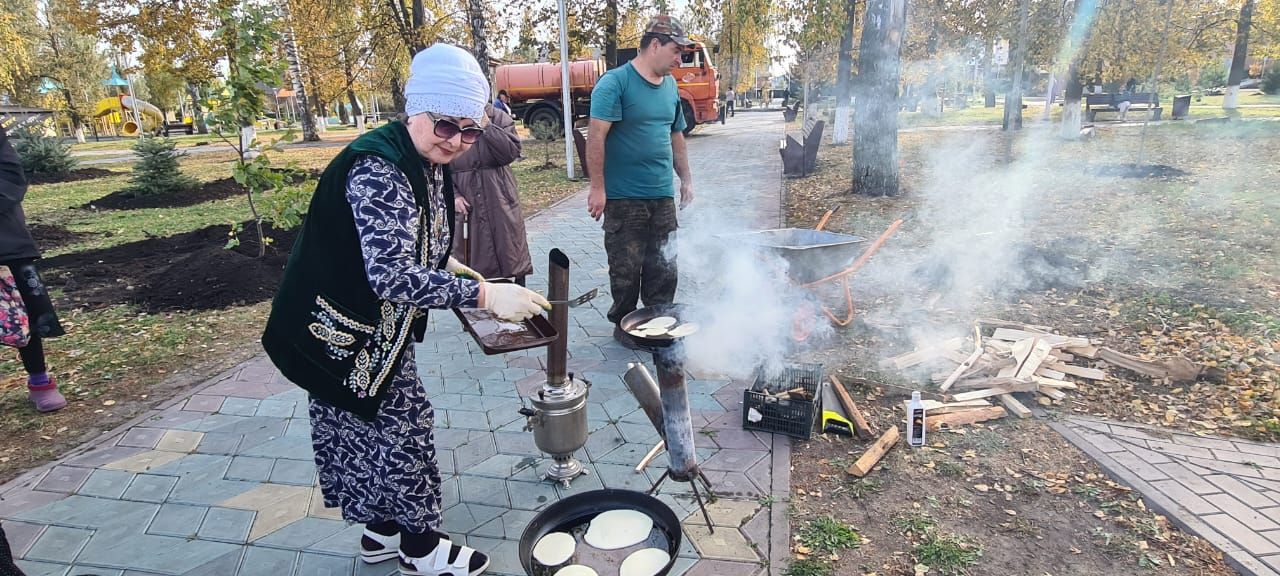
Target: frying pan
{"points": [[580, 508], [642, 315]]}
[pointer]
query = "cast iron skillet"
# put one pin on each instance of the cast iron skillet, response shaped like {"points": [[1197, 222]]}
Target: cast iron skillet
{"points": [[580, 508], [638, 317]]}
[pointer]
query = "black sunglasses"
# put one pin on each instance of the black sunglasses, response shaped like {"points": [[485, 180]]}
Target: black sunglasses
{"points": [[447, 129]]}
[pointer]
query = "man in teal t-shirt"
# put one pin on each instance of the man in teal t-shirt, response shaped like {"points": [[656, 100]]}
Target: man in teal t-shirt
{"points": [[635, 142]]}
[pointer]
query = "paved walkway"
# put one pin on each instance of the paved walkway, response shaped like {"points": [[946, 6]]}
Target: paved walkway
{"points": [[1224, 490], [223, 482]]}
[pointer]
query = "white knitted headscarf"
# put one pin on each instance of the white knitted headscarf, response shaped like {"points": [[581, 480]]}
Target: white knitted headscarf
{"points": [[446, 80]]}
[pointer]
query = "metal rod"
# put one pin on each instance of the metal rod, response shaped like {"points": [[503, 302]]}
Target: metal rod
{"points": [[706, 516], [558, 289]]}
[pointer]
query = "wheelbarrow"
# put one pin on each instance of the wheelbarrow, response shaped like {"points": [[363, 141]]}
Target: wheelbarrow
{"points": [[818, 258]]}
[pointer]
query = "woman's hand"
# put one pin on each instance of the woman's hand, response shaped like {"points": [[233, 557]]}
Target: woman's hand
{"points": [[511, 302], [461, 206]]}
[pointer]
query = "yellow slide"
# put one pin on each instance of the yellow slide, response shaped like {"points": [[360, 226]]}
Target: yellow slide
{"points": [[116, 106]]}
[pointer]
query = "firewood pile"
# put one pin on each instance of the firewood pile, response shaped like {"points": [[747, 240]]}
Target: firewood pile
{"points": [[1003, 358]]}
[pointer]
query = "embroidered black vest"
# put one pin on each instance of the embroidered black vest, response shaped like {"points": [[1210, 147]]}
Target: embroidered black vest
{"points": [[328, 332]]}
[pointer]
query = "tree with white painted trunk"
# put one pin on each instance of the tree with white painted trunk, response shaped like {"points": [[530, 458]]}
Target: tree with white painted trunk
{"points": [[309, 133], [1013, 98], [844, 73], [1239, 58], [875, 139]]}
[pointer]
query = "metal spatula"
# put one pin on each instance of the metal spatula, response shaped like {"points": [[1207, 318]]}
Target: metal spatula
{"points": [[583, 299]]}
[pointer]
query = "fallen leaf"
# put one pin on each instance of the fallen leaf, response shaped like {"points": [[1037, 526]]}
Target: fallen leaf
{"points": [[108, 402], [981, 487]]}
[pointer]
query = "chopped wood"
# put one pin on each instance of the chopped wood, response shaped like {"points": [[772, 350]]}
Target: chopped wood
{"points": [[1081, 371], [932, 407], [921, 355], [998, 323], [1052, 392], [998, 346], [1003, 389], [1014, 406], [1050, 373], [964, 366], [955, 356], [851, 410], [1044, 381], [872, 456], [1177, 369], [1064, 357], [967, 417], [1090, 352], [1054, 340], [1039, 351]]}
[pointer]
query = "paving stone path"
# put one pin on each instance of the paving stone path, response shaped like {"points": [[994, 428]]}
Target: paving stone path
{"points": [[223, 482], [1224, 490]]}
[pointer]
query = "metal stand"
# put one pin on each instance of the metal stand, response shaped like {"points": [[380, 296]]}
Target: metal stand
{"points": [[565, 469], [696, 495]]}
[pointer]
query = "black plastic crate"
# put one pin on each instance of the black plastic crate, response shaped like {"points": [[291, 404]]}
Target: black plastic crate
{"points": [[794, 417]]}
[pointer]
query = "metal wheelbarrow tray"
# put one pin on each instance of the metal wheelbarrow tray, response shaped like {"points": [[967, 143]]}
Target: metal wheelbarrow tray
{"points": [[810, 254]]}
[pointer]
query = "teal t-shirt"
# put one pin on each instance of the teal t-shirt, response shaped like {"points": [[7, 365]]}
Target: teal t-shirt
{"points": [[637, 151]]}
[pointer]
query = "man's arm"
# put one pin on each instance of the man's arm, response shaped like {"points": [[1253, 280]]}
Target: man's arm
{"points": [[680, 154], [597, 130]]}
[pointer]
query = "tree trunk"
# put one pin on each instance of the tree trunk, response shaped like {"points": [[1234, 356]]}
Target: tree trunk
{"points": [[1013, 99], [479, 39], [309, 133], [397, 91], [875, 138], [844, 73], [197, 114], [611, 33], [343, 117], [1071, 108], [1238, 59], [988, 76]]}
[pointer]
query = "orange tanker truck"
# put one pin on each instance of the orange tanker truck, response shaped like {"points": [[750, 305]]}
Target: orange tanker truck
{"points": [[535, 88]]}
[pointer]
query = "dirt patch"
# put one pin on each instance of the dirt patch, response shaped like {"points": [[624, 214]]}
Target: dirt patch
{"points": [[1016, 494], [50, 236], [205, 192], [1159, 171], [72, 176], [191, 271]]}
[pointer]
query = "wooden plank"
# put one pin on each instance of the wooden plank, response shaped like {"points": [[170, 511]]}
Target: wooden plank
{"points": [[1081, 371], [1039, 351], [967, 417], [851, 410], [1052, 392], [998, 323], [1050, 373], [1044, 381], [1090, 352], [1055, 340], [872, 456], [955, 374], [1014, 406], [932, 407], [1064, 357], [921, 355], [653, 453], [955, 356], [989, 392], [998, 346]]}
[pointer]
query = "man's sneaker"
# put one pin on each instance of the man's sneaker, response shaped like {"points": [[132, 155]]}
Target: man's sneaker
{"points": [[439, 563], [375, 547]]}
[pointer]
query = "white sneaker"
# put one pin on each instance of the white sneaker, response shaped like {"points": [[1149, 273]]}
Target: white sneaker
{"points": [[386, 547], [437, 562]]}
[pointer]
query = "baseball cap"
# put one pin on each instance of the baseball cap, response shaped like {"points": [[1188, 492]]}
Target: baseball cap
{"points": [[668, 26]]}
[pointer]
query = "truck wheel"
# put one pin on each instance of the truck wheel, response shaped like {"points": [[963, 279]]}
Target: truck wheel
{"points": [[690, 121], [544, 114]]}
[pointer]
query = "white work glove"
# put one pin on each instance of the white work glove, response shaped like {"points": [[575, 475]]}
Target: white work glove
{"points": [[513, 302], [453, 266]]}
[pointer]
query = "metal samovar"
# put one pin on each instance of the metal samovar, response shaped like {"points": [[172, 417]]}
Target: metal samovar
{"points": [[558, 416]]}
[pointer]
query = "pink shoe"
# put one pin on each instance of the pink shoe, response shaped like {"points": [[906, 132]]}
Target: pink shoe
{"points": [[46, 397]]}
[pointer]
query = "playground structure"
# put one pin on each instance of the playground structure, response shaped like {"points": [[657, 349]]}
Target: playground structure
{"points": [[128, 116]]}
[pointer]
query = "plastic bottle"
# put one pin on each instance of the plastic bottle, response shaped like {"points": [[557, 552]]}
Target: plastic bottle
{"points": [[915, 421]]}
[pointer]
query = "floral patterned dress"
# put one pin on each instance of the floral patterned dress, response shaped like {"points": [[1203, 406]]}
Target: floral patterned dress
{"points": [[385, 470]]}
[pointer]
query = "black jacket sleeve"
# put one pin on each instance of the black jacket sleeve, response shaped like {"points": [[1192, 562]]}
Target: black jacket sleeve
{"points": [[13, 184]]}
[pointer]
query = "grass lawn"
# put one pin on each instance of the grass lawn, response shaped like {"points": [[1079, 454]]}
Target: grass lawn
{"points": [[192, 140], [116, 361]]}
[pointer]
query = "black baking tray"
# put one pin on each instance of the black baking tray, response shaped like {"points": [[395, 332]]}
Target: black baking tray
{"points": [[483, 326]]}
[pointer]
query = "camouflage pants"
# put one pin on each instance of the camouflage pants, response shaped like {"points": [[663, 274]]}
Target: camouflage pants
{"points": [[642, 265]]}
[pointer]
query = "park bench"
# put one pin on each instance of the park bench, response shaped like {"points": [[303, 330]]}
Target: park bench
{"points": [[1147, 101], [799, 158], [789, 114], [184, 127]]}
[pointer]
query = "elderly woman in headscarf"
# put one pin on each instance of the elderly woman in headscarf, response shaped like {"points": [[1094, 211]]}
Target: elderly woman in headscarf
{"points": [[372, 258]]}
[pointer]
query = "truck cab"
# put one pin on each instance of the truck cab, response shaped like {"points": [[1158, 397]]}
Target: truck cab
{"points": [[699, 86]]}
